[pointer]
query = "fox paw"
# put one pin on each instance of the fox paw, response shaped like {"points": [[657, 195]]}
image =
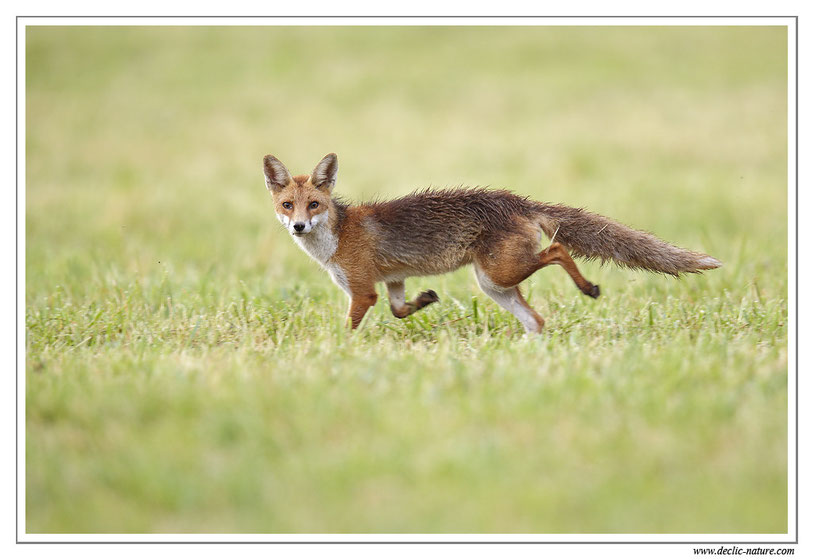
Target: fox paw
{"points": [[426, 298], [593, 292]]}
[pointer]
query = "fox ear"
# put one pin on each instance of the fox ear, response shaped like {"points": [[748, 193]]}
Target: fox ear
{"points": [[277, 176], [324, 174]]}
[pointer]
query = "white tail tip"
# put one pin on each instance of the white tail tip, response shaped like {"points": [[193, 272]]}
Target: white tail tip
{"points": [[706, 263]]}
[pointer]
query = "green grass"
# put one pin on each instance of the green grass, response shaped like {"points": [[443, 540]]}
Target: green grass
{"points": [[187, 366]]}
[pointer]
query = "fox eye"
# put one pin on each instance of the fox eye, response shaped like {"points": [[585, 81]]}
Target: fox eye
{"points": [[287, 205], [313, 205]]}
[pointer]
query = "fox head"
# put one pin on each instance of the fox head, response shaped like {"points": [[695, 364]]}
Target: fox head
{"points": [[302, 202]]}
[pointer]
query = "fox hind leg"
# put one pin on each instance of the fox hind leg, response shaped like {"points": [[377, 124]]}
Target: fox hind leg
{"points": [[402, 308], [511, 300], [556, 254], [509, 259], [505, 262]]}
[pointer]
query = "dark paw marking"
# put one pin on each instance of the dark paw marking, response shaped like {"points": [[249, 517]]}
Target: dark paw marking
{"points": [[426, 298], [593, 292]]}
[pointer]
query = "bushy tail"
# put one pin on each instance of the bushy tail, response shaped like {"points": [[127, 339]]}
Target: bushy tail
{"points": [[593, 236]]}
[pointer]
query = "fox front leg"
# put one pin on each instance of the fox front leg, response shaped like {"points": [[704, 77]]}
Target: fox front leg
{"points": [[402, 308], [359, 304]]}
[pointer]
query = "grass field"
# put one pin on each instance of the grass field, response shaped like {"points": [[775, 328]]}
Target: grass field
{"points": [[187, 366]]}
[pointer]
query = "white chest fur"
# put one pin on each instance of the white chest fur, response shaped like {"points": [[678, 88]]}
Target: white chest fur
{"points": [[321, 244]]}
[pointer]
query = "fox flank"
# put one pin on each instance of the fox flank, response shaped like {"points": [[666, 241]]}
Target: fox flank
{"points": [[433, 232]]}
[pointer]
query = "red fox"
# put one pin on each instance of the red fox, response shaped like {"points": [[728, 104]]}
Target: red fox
{"points": [[432, 232]]}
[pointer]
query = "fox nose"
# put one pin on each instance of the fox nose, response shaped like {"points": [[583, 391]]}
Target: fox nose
{"points": [[299, 226]]}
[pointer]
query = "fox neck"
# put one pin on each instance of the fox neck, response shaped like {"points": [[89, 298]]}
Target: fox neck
{"points": [[322, 241]]}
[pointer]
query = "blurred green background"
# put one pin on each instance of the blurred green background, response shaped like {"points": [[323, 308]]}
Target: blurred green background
{"points": [[187, 365]]}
